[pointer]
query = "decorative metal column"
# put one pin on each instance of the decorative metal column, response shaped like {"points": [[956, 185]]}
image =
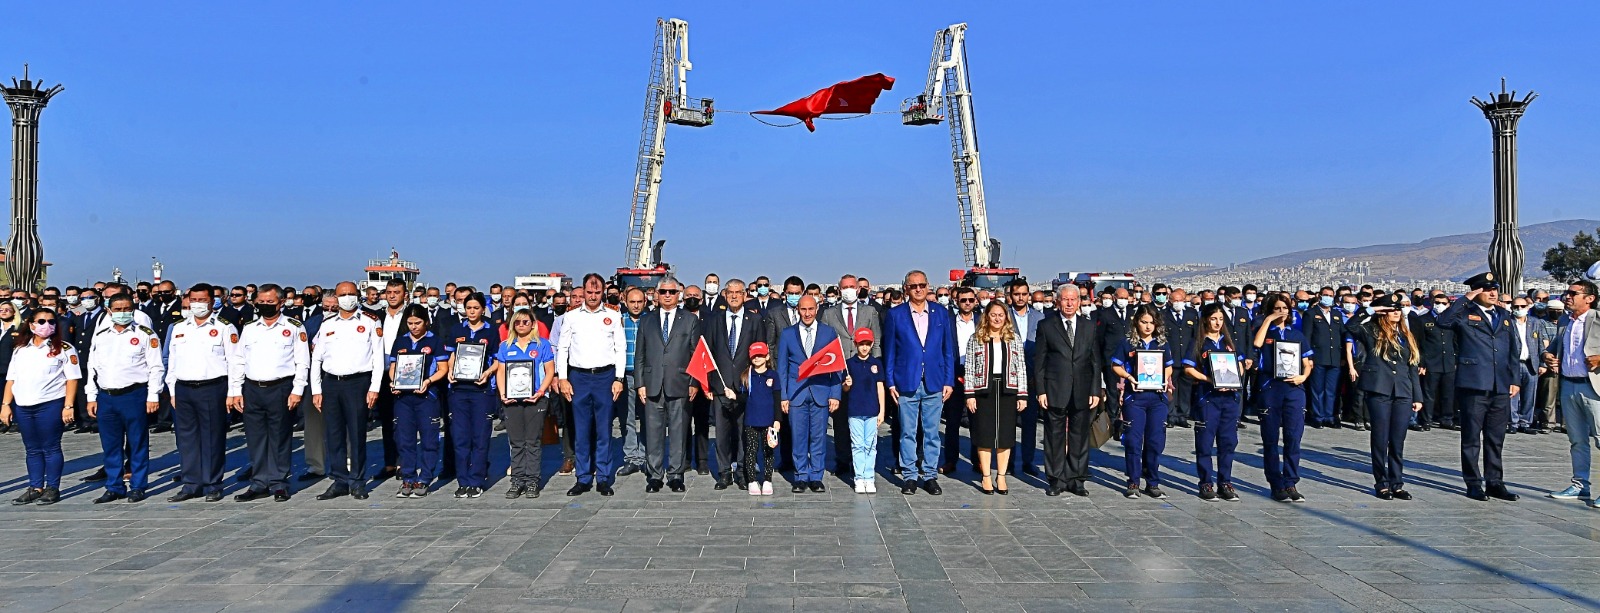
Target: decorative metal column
{"points": [[24, 254], [1505, 250]]}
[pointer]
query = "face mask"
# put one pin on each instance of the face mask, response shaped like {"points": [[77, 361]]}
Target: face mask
{"points": [[613, 300], [1439, 308], [185, 313], [1326, 301], [431, 301], [349, 303], [763, 291], [1236, 303], [1179, 306], [122, 319], [267, 310], [1302, 305], [1086, 309], [1161, 298], [848, 295], [1038, 306], [1520, 313], [1106, 303], [72, 300], [944, 300], [693, 304], [711, 288], [1138, 295], [558, 309], [1366, 304], [17, 302], [519, 308], [984, 303], [1122, 303], [200, 310], [793, 300], [45, 329], [1250, 298], [1349, 307], [216, 303]]}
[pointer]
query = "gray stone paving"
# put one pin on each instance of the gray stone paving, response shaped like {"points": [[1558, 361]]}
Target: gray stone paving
{"points": [[726, 551]]}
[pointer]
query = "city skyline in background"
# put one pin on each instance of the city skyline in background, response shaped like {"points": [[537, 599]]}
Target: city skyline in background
{"points": [[290, 145]]}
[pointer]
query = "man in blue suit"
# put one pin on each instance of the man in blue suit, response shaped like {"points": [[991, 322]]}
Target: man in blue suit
{"points": [[1485, 382], [920, 348], [808, 401]]}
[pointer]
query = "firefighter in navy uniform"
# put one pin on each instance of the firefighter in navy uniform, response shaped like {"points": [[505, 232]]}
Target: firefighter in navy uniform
{"points": [[1486, 379]]}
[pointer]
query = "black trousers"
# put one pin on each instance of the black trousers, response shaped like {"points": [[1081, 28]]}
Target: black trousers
{"points": [[1484, 417], [1182, 399], [268, 434], [728, 417], [1439, 398], [344, 415], [1390, 416], [1066, 445], [700, 432], [385, 409], [200, 419]]}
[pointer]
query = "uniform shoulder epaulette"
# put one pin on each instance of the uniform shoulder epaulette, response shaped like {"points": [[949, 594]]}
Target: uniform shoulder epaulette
{"points": [[370, 315], [252, 320], [295, 322], [147, 331]]}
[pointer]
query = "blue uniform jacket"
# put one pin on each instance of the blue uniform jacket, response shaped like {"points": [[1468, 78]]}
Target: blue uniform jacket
{"points": [[1488, 347], [818, 389], [909, 361]]}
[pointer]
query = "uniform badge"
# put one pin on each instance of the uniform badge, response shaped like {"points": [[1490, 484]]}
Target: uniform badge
{"points": [[286, 334], [213, 333], [1269, 340], [461, 339], [427, 350], [874, 369], [379, 331], [302, 337], [155, 344], [233, 338], [361, 329], [330, 333], [178, 335], [1474, 318], [606, 321], [769, 381], [134, 342]]}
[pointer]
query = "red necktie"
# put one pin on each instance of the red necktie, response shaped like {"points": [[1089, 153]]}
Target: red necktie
{"points": [[850, 318]]}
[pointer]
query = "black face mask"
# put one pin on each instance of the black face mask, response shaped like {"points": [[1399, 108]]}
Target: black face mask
{"points": [[693, 304], [613, 300], [558, 308], [267, 310], [144, 294]]}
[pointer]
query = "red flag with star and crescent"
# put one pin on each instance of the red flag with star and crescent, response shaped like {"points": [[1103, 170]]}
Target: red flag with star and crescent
{"points": [[700, 364], [830, 359], [853, 96]]}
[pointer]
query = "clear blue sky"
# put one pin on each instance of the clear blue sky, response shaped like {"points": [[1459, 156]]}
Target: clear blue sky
{"points": [[292, 141]]}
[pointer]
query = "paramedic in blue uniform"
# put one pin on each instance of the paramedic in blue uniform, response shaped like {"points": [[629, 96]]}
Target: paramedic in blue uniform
{"points": [[416, 411]]}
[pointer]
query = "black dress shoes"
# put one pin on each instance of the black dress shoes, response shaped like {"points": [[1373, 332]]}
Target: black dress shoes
{"points": [[652, 486], [49, 496], [676, 485], [1476, 493], [722, 483], [214, 496], [908, 488], [280, 496], [333, 491], [579, 488], [136, 496], [931, 486], [249, 495], [799, 487], [628, 469], [1052, 491], [817, 487], [359, 492], [98, 475], [605, 489], [1080, 490], [1499, 492], [183, 495], [108, 497]]}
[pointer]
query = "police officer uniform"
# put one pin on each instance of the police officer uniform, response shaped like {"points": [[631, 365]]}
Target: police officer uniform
{"points": [[198, 360], [346, 365], [268, 377], [1489, 348], [125, 377]]}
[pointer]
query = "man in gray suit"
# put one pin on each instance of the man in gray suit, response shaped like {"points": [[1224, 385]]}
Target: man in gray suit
{"points": [[1536, 334], [852, 313], [665, 343], [781, 314], [1575, 354]]}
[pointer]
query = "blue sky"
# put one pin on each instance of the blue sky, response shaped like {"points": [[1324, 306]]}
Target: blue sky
{"points": [[292, 141]]}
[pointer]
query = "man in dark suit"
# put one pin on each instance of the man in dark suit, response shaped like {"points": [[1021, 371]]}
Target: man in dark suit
{"points": [[1485, 382], [729, 330], [1067, 383], [785, 311], [80, 333], [665, 344], [1110, 327], [238, 310], [1180, 320], [852, 313], [1438, 366], [1323, 326]]}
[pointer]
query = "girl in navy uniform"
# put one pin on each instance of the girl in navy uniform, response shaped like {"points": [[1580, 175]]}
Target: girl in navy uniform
{"points": [[40, 386], [416, 412], [1283, 400], [1217, 436], [1144, 412], [472, 402], [525, 416], [1390, 380], [863, 386], [761, 391]]}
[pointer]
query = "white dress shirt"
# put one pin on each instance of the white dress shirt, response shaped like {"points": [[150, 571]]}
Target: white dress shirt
{"points": [[37, 377], [123, 358], [591, 339], [269, 352], [1572, 362], [394, 326], [199, 351], [964, 331], [348, 344], [103, 321]]}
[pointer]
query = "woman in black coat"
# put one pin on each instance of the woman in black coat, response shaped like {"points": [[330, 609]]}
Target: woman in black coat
{"points": [[1388, 376]]}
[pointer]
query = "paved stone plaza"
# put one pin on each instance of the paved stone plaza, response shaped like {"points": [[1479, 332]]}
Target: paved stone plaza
{"points": [[1344, 550]]}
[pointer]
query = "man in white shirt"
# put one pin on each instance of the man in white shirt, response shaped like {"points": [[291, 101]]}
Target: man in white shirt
{"points": [[1575, 354], [124, 387], [265, 383], [198, 361], [590, 364], [346, 375]]}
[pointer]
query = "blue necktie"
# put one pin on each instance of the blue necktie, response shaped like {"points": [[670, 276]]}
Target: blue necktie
{"points": [[733, 336], [666, 324]]}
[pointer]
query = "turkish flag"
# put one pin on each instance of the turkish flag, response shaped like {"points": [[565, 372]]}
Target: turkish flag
{"points": [[701, 364], [830, 359], [856, 96]]}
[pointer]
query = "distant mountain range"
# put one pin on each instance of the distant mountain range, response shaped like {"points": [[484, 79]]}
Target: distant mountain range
{"points": [[1446, 257]]}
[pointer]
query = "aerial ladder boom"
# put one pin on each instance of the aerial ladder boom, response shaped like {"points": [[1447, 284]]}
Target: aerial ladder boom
{"points": [[948, 96], [666, 101]]}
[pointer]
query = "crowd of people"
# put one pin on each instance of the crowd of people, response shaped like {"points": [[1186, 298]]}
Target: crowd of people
{"points": [[747, 380]]}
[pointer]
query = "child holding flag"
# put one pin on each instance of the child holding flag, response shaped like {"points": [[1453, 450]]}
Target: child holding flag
{"points": [[863, 386]]}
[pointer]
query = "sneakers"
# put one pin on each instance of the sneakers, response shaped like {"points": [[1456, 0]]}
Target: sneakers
{"points": [[1225, 492], [1280, 495], [461, 492], [1208, 492], [405, 491], [474, 492], [861, 487], [419, 490], [1573, 492], [755, 489], [766, 488], [872, 485], [1131, 492], [1155, 492], [1294, 495]]}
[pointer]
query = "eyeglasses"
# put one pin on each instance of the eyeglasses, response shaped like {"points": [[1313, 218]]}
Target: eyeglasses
{"points": [[44, 321], [1572, 292], [967, 300], [238, 295], [763, 285], [1162, 293], [668, 292], [911, 286]]}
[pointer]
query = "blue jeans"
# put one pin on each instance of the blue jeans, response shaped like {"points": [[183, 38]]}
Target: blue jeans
{"points": [[864, 446], [591, 411], [41, 437], [122, 420], [1284, 419], [919, 416], [628, 412], [1580, 409]]}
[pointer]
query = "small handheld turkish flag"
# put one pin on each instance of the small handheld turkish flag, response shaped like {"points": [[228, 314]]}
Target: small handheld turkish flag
{"points": [[830, 359], [701, 364]]}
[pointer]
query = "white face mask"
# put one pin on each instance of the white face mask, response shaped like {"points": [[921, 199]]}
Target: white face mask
{"points": [[944, 300], [431, 301], [186, 313], [1180, 305], [1122, 303], [711, 288], [200, 310], [1555, 305], [1236, 303], [349, 303], [984, 303], [1349, 307], [90, 303], [1250, 298], [848, 295], [1106, 302], [1439, 308], [1520, 313]]}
